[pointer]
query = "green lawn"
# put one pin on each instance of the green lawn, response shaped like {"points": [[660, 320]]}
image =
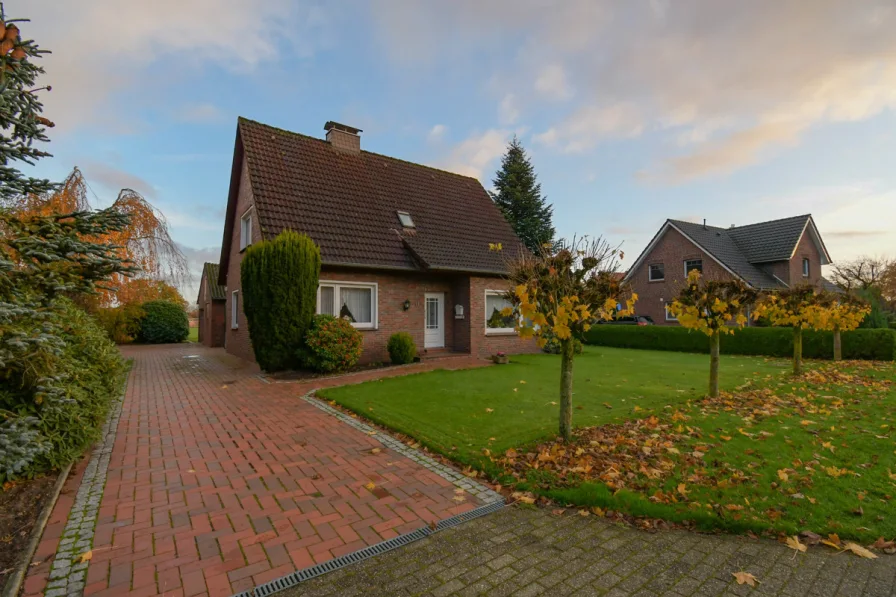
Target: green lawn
{"points": [[193, 336], [449, 410], [777, 453]]}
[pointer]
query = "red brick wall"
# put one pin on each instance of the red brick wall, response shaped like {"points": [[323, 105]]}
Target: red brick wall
{"points": [[805, 249], [779, 269], [485, 344], [393, 289], [672, 250], [237, 341]]}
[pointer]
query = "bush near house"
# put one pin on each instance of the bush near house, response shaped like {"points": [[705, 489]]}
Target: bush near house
{"points": [[122, 324], [402, 349], [279, 291], [862, 344], [163, 322], [332, 344]]}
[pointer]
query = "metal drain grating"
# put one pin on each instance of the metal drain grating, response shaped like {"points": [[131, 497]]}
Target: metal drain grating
{"points": [[300, 576], [475, 513]]}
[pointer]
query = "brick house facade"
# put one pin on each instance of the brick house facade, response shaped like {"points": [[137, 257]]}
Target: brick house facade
{"points": [[430, 279], [211, 301], [767, 256]]}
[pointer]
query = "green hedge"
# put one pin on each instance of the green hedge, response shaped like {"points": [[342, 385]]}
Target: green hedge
{"points": [[874, 344]]}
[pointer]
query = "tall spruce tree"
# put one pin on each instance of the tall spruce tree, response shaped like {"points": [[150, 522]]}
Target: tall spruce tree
{"points": [[518, 194]]}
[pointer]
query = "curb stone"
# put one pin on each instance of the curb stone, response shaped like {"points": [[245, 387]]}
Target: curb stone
{"points": [[67, 575]]}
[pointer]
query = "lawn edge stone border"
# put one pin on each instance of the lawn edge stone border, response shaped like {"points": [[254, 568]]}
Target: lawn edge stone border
{"points": [[456, 478], [68, 577]]}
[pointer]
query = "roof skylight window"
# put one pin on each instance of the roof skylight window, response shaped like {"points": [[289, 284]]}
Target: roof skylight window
{"points": [[405, 219]]}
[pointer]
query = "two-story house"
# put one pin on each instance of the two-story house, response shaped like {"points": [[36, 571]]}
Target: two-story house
{"points": [[766, 256]]}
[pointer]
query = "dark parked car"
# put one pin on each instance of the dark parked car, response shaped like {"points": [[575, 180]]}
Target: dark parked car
{"points": [[630, 320]]}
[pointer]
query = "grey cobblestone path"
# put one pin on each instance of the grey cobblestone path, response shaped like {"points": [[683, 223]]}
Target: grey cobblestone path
{"points": [[523, 551]]}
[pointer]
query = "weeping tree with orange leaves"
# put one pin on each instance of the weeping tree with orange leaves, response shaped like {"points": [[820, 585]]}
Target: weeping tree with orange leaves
{"points": [[145, 242], [561, 291]]}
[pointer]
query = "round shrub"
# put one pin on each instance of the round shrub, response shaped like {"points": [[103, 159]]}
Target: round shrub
{"points": [[402, 349], [164, 322], [332, 344]]}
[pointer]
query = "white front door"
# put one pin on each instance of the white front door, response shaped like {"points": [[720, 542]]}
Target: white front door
{"points": [[434, 333]]}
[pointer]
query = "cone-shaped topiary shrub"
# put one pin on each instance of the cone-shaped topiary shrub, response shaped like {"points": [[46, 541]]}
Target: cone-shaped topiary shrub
{"points": [[279, 280]]}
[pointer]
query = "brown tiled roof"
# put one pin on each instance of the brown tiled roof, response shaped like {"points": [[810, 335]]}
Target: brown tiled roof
{"points": [[348, 203], [217, 292]]}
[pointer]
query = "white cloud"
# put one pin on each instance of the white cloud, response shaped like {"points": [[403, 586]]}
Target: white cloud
{"points": [[724, 83], [586, 127], [114, 179], [101, 48], [200, 113], [437, 133], [508, 110], [474, 154], [552, 83]]}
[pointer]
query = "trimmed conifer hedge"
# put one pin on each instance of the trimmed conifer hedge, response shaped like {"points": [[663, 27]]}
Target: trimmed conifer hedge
{"points": [[279, 280], [863, 344]]}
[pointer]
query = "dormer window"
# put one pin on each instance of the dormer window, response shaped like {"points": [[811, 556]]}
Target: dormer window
{"points": [[405, 219]]}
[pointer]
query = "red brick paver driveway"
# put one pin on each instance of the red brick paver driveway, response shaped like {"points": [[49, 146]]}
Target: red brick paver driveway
{"points": [[219, 482]]}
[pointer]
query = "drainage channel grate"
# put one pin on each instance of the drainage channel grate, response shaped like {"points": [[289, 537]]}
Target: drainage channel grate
{"points": [[300, 576]]}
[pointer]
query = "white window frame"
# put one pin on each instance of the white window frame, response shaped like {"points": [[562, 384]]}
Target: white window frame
{"points": [[494, 331], [669, 316], [806, 267], [685, 264], [338, 285], [410, 222], [246, 229], [649, 272], [235, 310]]}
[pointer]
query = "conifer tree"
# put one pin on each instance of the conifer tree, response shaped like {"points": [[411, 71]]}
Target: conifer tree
{"points": [[518, 194]]}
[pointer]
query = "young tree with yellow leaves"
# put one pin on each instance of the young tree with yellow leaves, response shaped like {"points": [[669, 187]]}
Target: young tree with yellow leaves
{"points": [[561, 291], [799, 307], [840, 312], [714, 307]]}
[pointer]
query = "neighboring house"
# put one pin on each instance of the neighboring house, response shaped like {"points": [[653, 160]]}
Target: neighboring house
{"points": [[404, 247], [212, 303], [767, 256]]}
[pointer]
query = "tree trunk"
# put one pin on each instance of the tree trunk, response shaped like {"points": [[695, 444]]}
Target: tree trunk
{"points": [[838, 347], [714, 364], [797, 350], [567, 349]]}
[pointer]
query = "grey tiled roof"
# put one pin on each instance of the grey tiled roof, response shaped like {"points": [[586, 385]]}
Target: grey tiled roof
{"points": [[769, 241], [721, 244]]}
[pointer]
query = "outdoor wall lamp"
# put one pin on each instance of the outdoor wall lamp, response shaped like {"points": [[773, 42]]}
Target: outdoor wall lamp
{"points": [[406, 304]]}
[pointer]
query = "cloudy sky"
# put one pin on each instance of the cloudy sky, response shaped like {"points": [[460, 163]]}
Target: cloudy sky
{"points": [[633, 112]]}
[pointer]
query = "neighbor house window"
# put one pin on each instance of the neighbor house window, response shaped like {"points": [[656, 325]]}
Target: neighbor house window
{"points": [[246, 229], [805, 268], [690, 264], [353, 301], [669, 316], [495, 322], [657, 272], [235, 309]]}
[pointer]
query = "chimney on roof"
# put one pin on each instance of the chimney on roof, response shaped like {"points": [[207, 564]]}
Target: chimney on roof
{"points": [[704, 223], [342, 136]]}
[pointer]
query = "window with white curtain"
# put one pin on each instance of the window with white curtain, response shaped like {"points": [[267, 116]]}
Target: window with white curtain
{"points": [[495, 322], [353, 301]]}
